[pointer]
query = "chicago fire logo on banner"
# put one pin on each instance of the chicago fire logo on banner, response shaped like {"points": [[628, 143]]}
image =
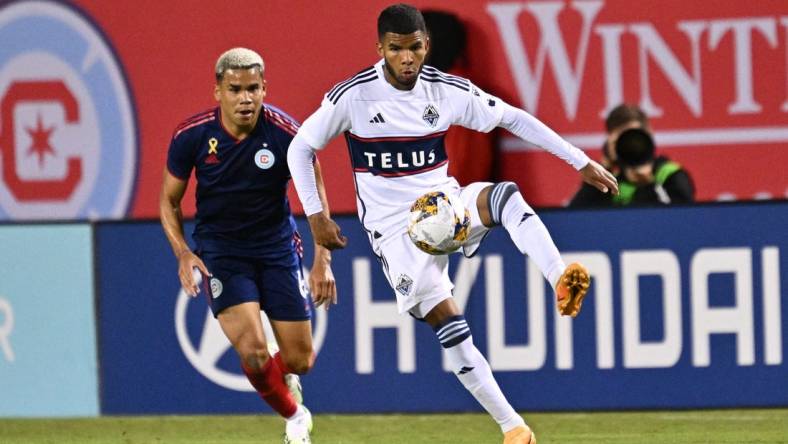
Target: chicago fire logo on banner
{"points": [[68, 136]]}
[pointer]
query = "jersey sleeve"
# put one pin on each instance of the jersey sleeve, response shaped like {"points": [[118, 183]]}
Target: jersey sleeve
{"points": [[286, 126], [331, 119], [181, 155], [477, 109]]}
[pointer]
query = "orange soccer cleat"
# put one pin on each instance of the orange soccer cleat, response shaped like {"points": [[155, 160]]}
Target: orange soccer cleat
{"points": [[572, 288], [519, 435]]}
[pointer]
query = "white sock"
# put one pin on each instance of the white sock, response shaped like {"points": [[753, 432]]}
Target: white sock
{"points": [[531, 237], [474, 373], [299, 413], [298, 425]]}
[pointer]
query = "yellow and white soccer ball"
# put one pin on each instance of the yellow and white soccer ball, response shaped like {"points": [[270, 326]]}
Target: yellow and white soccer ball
{"points": [[439, 223]]}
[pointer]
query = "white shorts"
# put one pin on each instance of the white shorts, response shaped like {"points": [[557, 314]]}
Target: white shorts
{"points": [[420, 280]]}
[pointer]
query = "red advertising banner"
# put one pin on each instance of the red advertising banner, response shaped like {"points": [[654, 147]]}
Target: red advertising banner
{"points": [[90, 92], [712, 80]]}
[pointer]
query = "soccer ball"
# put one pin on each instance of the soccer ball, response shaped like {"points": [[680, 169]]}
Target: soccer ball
{"points": [[439, 223]]}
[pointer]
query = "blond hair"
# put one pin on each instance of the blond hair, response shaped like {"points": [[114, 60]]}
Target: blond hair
{"points": [[238, 58]]}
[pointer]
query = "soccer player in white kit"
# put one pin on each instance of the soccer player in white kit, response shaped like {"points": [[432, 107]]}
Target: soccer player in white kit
{"points": [[394, 116]]}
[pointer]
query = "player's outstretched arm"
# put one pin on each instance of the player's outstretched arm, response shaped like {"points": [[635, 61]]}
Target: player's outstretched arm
{"points": [[532, 130], [596, 175], [321, 279], [172, 191], [325, 231]]}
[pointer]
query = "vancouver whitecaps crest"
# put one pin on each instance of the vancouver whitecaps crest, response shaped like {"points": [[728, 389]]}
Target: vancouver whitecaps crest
{"points": [[431, 115]]}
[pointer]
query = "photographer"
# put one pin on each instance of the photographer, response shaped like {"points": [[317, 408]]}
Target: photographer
{"points": [[646, 180]]}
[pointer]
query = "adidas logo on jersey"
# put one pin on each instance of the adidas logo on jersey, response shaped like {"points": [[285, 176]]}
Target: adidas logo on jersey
{"points": [[377, 119]]}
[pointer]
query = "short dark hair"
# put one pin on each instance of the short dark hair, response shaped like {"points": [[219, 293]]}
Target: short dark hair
{"points": [[623, 114], [447, 39], [400, 19], [634, 147]]}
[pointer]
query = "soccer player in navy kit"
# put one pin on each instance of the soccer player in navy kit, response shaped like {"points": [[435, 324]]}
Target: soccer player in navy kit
{"points": [[247, 247]]}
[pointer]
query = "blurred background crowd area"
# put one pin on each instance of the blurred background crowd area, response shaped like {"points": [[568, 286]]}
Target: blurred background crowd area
{"points": [[89, 107]]}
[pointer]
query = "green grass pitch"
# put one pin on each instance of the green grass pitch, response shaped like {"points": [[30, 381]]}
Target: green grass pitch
{"points": [[674, 427]]}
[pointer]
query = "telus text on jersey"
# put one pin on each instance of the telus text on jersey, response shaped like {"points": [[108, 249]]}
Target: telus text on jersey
{"points": [[400, 160]]}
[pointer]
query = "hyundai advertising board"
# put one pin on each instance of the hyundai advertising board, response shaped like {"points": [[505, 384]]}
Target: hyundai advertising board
{"points": [[686, 310]]}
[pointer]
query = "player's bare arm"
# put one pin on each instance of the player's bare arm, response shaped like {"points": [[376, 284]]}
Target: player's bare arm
{"points": [[325, 231], [172, 191], [321, 278], [596, 175]]}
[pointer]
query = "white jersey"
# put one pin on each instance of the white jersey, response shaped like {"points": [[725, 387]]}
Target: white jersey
{"points": [[396, 138]]}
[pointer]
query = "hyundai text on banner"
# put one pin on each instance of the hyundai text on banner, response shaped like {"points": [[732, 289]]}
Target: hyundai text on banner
{"points": [[687, 310]]}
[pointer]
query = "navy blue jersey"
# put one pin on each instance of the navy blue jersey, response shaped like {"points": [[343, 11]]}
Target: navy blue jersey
{"points": [[242, 205]]}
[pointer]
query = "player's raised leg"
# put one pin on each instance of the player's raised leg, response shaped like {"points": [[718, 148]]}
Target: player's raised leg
{"points": [[503, 204], [473, 371]]}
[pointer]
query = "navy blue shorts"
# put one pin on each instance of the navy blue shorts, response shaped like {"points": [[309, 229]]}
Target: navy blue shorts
{"points": [[280, 290]]}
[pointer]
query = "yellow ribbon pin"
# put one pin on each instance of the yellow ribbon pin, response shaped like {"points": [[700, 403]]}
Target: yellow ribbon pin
{"points": [[212, 144]]}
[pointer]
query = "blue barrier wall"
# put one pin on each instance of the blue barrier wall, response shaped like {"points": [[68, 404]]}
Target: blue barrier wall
{"points": [[687, 310], [48, 361]]}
